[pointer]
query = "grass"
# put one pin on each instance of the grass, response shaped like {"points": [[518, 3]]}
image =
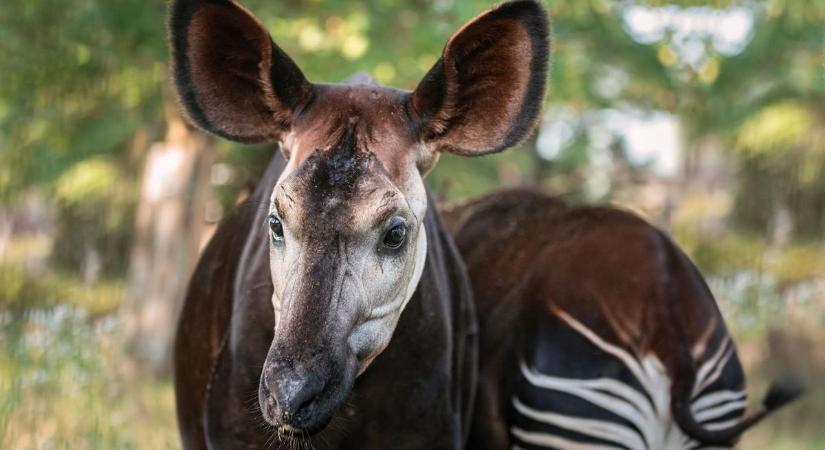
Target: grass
{"points": [[66, 383]]}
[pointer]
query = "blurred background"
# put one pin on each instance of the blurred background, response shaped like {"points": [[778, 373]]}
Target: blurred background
{"points": [[705, 117]]}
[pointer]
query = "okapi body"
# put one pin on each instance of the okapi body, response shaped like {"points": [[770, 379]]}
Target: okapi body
{"points": [[596, 332], [333, 309]]}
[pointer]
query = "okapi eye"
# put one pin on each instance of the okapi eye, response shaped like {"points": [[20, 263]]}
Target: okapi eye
{"points": [[396, 234], [276, 228]]}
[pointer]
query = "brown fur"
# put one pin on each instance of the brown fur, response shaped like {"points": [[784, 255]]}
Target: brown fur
{"points": [[226, 68], [605, 266], [235, 82], [215, 65], [531, 256], [497, 52], [337, 107], [201, 337]]}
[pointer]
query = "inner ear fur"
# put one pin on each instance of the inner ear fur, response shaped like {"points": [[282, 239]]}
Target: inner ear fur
{"points": [[486, 91], [231, 78]]}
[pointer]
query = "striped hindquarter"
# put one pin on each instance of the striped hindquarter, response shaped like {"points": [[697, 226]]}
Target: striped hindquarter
{"points": [[596, 332], [574, 390]]}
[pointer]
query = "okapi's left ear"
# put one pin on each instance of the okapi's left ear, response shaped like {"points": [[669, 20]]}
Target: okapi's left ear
{"points": [[485, 92], [231, 78]]}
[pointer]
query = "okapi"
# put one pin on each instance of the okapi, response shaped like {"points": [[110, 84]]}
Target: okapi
{"points": [[292, 331], [596, 332]]}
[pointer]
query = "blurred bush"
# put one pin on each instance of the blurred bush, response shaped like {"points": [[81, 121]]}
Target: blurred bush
{"points": [[65, 384], [95, 215], [22, 291], [782, 151]]}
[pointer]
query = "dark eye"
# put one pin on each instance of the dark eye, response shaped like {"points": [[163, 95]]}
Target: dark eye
{"points": [[395, 235], [276, 228]]}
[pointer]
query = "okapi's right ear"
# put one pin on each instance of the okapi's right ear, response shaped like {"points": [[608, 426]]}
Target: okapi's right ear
{"points": [[231, 78]]}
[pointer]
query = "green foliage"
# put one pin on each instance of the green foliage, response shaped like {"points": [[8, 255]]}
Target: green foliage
{"points": [[65, 383], [776, 127], [788, 139], [95, 213], [85, 76], [781, 151], [799, 263], [21, 291], [783, 60], [457, 177], [724, 256], [86, 186], [733, 254]]}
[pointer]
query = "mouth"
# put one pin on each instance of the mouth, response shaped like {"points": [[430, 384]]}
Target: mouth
{"points": [[299, 403], [289, 430], [302, 423], [302, 433]]}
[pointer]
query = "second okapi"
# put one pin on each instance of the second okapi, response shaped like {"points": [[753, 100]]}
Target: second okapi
{"points": [[338, 312], [597, 332]]}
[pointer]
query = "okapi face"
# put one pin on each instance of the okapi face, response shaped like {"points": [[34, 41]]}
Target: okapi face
{"points": [[346, 224]]}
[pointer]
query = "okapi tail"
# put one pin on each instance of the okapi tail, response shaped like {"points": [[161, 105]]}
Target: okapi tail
{"points": [[779, 394], [684, 281]]}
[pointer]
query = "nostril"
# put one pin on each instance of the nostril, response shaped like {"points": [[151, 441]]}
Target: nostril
{"points": [[307, 404], [296, 397]]}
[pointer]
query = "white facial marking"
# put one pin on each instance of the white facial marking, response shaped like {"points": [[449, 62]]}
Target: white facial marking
{"points": [[373, 335], [375, 287]]}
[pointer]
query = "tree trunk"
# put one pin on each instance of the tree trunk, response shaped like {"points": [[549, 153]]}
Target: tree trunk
{"points": [[169, 223]]}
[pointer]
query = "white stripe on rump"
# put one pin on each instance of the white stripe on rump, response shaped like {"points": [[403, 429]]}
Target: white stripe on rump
{"points": [[648, 410]]}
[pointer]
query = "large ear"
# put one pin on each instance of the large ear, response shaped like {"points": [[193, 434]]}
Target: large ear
{"points": [[231, 78], [485, 92]]}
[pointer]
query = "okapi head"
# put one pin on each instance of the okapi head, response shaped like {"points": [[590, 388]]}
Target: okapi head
{"points": [[345, 230]]}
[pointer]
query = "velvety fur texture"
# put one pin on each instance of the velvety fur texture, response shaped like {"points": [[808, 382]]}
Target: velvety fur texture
{"points": [[485, 92], [231, 78], [534, 261]]}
